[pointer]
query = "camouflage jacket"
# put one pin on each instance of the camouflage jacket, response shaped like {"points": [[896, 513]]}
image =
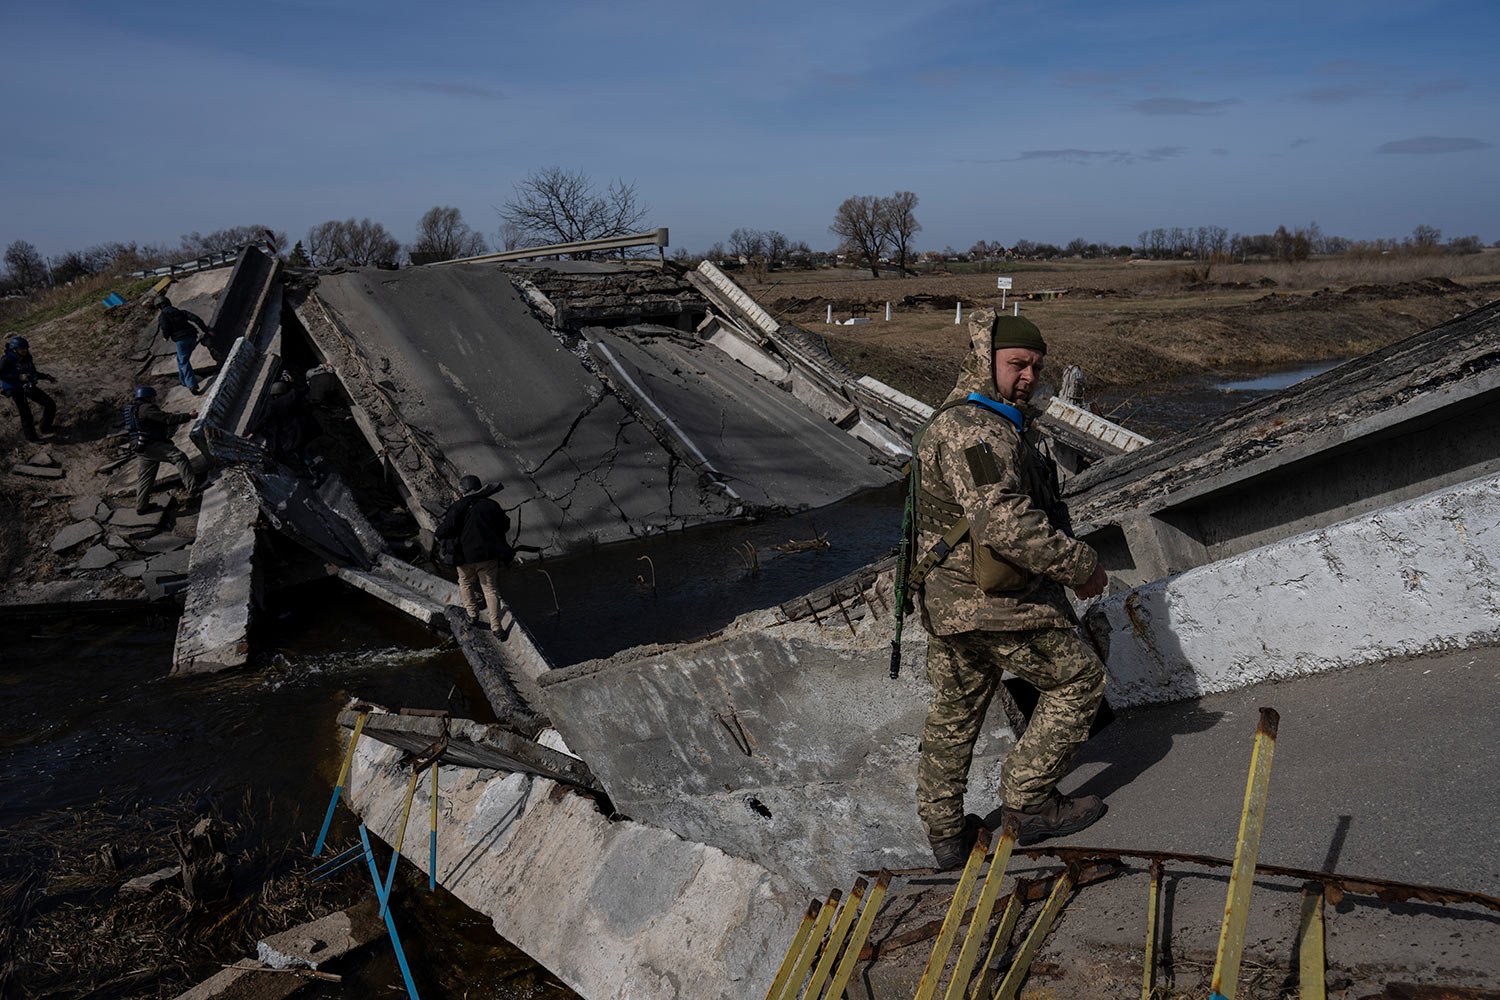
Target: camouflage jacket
{"points": [[1014, 506]]}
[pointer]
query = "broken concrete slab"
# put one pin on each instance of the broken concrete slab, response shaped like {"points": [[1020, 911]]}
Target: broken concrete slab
{"points": [[43, 459], [326, 939], [116, 541], [605, 906], [165, 575], [132, 570], [779, 741], [97, 557], [75, 534], [85, 507], [146, 884], [246, 981], [1408, 579], [214, 631], [37, 472], [127, 517], [161, 543]]}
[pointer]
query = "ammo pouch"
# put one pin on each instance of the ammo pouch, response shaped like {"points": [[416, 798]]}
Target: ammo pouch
{"points": [[991, 573]]}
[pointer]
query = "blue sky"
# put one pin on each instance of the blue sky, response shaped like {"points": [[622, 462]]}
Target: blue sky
{"points": [[1037, 120]]}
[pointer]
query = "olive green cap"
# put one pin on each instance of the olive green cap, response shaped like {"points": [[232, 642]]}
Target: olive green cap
{"points": [[1016, 331]]}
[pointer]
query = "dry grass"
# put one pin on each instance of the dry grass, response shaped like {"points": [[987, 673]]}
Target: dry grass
{"points": [[1140, 326], [66, 931]]}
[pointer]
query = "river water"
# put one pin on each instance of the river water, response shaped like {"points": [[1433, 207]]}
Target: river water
{"points": [[95, 723], [1178, 405]]}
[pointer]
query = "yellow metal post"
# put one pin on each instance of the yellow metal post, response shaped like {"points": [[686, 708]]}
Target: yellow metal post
{"points": [[411, 791], [836, 937], [804, 961], [1010, 986], [1311, 960], [1153, 911], [964, 968], [794, 950], [861, 933], [954, 917], [1001, 941], [432, 834], [1242, 874]]}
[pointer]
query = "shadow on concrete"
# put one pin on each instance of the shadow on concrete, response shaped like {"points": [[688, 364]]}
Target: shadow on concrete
{"points": [[1137, 741]]}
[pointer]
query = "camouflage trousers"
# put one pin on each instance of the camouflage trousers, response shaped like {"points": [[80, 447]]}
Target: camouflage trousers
{"points": [[964, 671]]}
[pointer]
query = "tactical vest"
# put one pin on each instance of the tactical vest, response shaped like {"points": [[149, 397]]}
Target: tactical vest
{"points": [[140, 431], [936, 511]]}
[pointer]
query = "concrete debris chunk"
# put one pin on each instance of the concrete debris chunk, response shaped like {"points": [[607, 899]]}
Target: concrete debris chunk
{"points": [[246, 981], [132, 570], [313, 944], [97, 557], [116, 541], [75, 534], [37, 472], [164, 542], [147, 884], [43, 459], [85, 506], [128, 518]]}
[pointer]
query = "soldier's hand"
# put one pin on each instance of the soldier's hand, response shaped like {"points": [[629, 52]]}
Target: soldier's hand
{"points": [[1093, 586]]}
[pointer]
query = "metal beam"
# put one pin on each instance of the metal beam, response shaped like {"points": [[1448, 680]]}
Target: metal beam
{"points": [[656, 238]]}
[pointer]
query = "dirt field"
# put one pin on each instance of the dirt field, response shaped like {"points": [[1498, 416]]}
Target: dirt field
{"points": [[1134, 326]]}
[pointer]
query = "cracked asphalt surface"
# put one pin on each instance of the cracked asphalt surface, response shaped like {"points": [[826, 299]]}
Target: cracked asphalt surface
{"points": [[504, 398]]}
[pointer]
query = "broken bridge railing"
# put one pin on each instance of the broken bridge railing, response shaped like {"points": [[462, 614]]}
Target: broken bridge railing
{"points": [[656, 238], [829, 936]]}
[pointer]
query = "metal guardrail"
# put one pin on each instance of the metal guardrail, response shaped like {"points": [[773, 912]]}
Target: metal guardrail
{"points": [[207, 262], [656, 238]]}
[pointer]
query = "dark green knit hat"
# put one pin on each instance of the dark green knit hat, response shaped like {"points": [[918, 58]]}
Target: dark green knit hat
{"points": [[1016, 331]]}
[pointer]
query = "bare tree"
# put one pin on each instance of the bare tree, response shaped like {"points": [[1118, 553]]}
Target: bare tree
{"points": [[747, 244], [25, 266], [554, 205], [1425, 237], [196, 244], [860, 227], [510, 236], [444, 235], [777, 247], [360, 243], [899, 219]]}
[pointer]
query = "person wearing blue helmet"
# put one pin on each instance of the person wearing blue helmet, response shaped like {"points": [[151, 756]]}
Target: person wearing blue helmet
{"points": [[150, 429], [18, 383]]}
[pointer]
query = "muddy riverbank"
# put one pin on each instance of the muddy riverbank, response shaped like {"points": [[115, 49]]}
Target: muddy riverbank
{"points": [[104, 749]]}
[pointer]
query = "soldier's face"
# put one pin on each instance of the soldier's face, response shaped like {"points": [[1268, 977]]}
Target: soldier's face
{"points": [[1017, 371]]}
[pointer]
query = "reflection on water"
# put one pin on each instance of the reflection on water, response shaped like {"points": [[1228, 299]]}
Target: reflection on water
{"points": [[689, 584], [1278, 380]]}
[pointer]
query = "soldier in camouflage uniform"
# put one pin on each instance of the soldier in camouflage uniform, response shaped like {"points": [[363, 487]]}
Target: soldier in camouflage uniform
{"points": [[994, 601]]}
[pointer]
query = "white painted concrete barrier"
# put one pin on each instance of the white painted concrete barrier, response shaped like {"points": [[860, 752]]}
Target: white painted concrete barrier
{"points": [[1412, 578]]}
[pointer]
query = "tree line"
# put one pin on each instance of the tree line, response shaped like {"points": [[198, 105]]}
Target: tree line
{"points": [[552, 205]]}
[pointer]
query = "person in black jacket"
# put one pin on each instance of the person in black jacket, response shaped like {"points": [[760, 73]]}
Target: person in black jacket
{"points": [[18, 382], [177, 325], [151, 430], [473, 537]]}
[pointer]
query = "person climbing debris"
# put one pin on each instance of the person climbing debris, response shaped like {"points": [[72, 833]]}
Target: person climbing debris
{"points": [[287, 425], [18, 383], [182, 329], [992, 550], [150, 430], [473, 538]]}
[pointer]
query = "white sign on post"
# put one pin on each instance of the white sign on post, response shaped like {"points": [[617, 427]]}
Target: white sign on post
{"points": [[1004, 284]]}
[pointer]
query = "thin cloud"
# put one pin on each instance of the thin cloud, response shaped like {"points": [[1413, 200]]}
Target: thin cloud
{"points": [[1087, 78], [1437, 89], [1340, 94], [1298, 143], [1219, 151], [1086, 156], [1182, 106], [453, 89], [955, 76], [1426, 145]]}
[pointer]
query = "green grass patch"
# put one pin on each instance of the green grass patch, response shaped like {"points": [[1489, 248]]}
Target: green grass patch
{"points": [[19, 317]]}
